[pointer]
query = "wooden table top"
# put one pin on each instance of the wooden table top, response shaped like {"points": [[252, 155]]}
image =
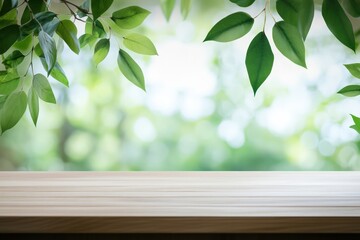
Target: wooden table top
{"points": [[188, 202]]}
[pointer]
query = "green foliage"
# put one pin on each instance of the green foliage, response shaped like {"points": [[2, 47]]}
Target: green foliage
{"points": [[68, 32], [243, 3], [8, 36], [299, 13], [167, 6], [130, 17], [130, 69], [259, 60], [350, 91], [289, 42], [12, 110], [33, 102], [338, 23], [231, 27], [43, 89], [140, 44], [185, 6], [354, 69], [98, 8], [101, 50], [356, 125]]}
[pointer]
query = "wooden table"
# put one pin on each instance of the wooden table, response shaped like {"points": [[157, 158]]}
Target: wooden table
{"points": [[179, 202]]}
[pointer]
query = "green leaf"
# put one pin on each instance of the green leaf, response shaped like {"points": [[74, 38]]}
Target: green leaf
{"points": [[299, 13], [48, 47], [338, 23], [98, 7], [352, 7], [36, 7], [356, 120], [130, 69], [140, 44], [43, 88], [185, 8], [57, 72], [47, 20], [7, 5], [354, 69], [8, 18], [243, 3], [33, 102], [68, 31], [101, 50], [130, 17], [259, 60], [86, 39], [167, 7], [8, 87], [289, 42], [13, 59], [13, 109], [231, 27], [8, 36], [24, 45], [350, 91]]}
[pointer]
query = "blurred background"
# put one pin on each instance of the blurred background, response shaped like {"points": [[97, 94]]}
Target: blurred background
{"points": [[199, 112]]}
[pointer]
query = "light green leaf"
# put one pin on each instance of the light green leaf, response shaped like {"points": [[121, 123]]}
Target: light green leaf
{"points": [[231, 27], [185, 8], [48, 48], [289, 42], [354, 69], [57, 72], [33, 102], [130, 17], [101, 50], [86, 39], [68, 31], [167, 7], [43, 88], [259, 60], [130, 69], [338, 23], [13, 109], [140, 44], [356, 120], [8, 36], [8, 87], [352, 7], [24, 45], [243, 3], [8, 19], [350, 91], [98, 7], [299, 13]]}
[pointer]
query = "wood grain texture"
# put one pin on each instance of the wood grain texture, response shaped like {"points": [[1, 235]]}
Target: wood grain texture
{"points": [[185, 202]]}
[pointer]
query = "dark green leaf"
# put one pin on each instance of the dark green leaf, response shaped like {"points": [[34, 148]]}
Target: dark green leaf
{"points": [[68, 32], [352, 7], [259, 60], [98, 7], [130, 69], [7, 6], [289, 42], [299, 13], [231, 27], [48, 47], [354, 69], [13, 59], [338, 23], [101, 50], [167, 7], [9, 86], [33, 102], [43, 88], [356, 120], [57, 72], [13, 109], [140, 44], [47, 20], [8, 36], [36, 7], [350, 91], [185, 8], [243, 3], [8, 18], [130, 17]]}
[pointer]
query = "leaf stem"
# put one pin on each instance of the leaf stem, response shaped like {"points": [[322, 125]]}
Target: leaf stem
{"points": [[32, 14]]}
